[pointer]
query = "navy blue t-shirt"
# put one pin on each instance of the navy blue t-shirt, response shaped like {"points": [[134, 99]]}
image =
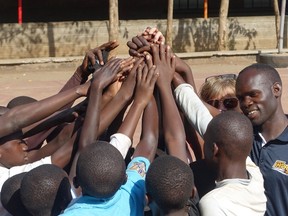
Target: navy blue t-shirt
{"points": [[272, 160]]}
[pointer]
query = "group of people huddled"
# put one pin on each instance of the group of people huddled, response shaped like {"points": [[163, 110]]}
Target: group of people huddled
{"points": [[220, 151]]}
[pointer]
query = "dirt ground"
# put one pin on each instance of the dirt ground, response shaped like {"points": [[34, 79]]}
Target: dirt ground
{"points": [[45, 79]]}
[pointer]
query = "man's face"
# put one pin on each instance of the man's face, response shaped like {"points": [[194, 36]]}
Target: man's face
{"points": [[255, 94]]}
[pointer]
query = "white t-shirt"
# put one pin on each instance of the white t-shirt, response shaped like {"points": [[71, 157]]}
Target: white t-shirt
{"points": [[121, 142], [236, 196]]}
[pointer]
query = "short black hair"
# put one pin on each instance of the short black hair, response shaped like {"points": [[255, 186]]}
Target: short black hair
{"points": [[100, 170], [169, 182], [3, 110], [269, 72], [46, 190], [232, 132], [20, 100], [10, 196]]}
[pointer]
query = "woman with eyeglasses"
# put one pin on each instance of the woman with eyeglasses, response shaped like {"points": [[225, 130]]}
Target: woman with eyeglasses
{"points": [[219, 92]]}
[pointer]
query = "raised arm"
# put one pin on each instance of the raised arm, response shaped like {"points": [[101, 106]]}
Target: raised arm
{"points": [[22, 116], [174, 133], [146, 78], [120, 100], [102, 78], [147, 145]]}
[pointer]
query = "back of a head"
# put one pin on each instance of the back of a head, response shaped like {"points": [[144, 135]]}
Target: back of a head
{"points": [[169, 182], [10, 196], [100, 170], [46, 190], [233, 134], [20, 100], [3, 110]]}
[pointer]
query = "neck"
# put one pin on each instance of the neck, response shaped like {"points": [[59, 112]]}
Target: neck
{"points": [[272, 128], [180, 212], [232, 170]]}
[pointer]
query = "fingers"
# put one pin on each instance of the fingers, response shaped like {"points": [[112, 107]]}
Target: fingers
{"points": [[139, 74], [159, 38], [134, 53], [140, 41], [132, 45], [143, 41], [155, 75], [149, 62], [90, 57], [126, 65], [109, 45], [144, 49], [99, 56], [145, 73], [162, 51], [155, 53]]}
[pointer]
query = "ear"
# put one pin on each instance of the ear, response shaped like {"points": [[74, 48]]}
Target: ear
{"points": [[125, 179], [147, 199], [194, 192], [215, 150], [76, 182], [277, 89]]}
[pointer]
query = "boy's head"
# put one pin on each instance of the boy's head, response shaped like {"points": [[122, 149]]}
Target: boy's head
{"points": [[10, 196], [20, 100], [3, 110], [46, 190], [170, 183], [100, 170], [229, 135]]}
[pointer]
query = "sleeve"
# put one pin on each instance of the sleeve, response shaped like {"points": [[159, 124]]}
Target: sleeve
{"points": [[7, 173], [192, 106], [210, 207], [135, 185], [27, 167], [137, 168], [121, 142]]}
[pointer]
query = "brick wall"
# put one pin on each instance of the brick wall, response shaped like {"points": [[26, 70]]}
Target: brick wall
{"points": [[60, 39]]}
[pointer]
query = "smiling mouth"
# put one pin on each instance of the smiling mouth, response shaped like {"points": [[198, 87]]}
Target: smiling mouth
{"points": [[251, 114]]}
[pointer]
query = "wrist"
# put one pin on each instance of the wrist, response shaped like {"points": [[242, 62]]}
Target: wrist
{"points": [[79, 74]]}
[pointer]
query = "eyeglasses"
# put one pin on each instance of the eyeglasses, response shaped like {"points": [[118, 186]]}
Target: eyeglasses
{"points": [[228, 103], [222, 76]]}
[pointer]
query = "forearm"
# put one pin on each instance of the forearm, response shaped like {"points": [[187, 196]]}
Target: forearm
{"points": [[90, 127], [24, 115], [111, 110], [130, 122], [55, 120], [174, 132], [185, 71], [150, 131], [75, 80]]}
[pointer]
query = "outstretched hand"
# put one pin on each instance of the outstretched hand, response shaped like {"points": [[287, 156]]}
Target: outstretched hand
{"points": [[129, 83], [146, 78], [137, 46], [96, 57], [164, 59], [153, 35]]}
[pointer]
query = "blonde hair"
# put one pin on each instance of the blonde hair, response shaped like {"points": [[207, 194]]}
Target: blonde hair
{"points": [[216, 86]]}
